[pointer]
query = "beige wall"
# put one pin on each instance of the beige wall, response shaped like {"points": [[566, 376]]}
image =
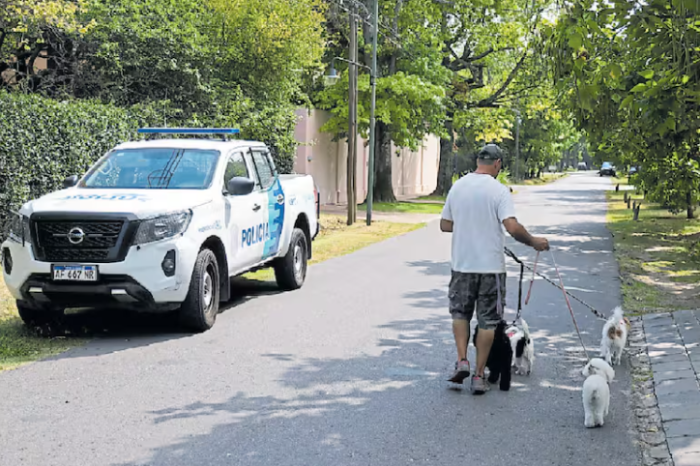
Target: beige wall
{"points": [[414, 173]]}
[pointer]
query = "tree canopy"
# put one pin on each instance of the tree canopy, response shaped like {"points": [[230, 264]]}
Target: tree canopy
{"points": [[629, 72]]}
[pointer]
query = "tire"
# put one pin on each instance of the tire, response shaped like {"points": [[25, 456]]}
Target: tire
{"points": [[36, 317], [290, 270], [198, 312]]}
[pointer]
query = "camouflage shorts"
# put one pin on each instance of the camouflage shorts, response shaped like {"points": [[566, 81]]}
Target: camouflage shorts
{"points": [[470, 291]]}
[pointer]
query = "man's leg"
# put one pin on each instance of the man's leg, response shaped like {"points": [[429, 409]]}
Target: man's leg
{"points": [[489, 312], [484, 341], [462, 311], [460, 328]]}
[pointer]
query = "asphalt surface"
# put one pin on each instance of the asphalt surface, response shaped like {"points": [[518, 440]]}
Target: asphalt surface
{"points": [[347, 371]]}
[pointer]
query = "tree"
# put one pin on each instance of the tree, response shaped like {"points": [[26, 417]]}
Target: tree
{"points": [[630, 73], [34, 29], [486, 44], [410, 88]]}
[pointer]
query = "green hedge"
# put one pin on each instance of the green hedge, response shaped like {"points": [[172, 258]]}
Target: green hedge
{"points": [[42, 140]]}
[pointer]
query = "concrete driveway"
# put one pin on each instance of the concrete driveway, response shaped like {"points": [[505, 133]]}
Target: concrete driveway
{"points": [[347, 371]]}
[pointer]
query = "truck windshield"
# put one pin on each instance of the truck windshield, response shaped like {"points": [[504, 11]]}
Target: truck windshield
{"points": [[153, 169]]}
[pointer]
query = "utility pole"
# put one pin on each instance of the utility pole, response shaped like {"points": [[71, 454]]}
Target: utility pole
{"points": [[517, 144], [372, 117], [352, 119]]}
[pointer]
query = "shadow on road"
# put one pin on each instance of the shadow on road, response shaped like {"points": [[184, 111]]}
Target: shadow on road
{"points": [[323, 405], [117, 330]]}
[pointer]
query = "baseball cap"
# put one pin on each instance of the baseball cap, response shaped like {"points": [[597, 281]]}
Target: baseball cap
{"points": [[490, 152]]}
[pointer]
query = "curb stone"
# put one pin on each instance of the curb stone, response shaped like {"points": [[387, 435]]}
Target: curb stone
{"points": [[651, 436]]}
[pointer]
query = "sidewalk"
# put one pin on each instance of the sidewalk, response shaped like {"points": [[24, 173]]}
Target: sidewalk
{"points": [[381, 216], [673, 344]]}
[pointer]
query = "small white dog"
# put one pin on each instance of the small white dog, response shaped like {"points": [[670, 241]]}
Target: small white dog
{"points": [[614, 337], [596, 391], [523, 348]]}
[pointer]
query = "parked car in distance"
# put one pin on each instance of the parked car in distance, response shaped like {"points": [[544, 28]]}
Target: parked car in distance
{"points": [[607, 169], [582, 166]]}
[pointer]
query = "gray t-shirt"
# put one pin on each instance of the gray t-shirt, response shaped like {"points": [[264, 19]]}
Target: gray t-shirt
{"points": [[478, 204]]}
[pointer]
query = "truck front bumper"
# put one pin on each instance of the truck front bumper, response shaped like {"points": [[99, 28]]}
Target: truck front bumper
{"points": [[111, 291], [138, 282]]}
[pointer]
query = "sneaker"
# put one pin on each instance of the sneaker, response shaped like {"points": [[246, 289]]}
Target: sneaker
{"points": [[479, 385], [462, 371]]}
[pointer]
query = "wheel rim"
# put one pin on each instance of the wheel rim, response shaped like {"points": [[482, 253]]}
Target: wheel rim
{"points": [[298, 262], [207, 288]]}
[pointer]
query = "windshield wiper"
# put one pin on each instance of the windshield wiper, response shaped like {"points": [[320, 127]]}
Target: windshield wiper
{"points": [[167, 173]]}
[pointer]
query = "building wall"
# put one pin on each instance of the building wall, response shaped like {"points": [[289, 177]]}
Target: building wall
{"points": [[413, 173]]}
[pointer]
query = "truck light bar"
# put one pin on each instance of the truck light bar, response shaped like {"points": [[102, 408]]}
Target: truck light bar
{"points": [[223, 132]]}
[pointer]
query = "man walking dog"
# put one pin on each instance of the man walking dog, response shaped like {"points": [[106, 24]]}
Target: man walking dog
{"points": [[476, 210]]}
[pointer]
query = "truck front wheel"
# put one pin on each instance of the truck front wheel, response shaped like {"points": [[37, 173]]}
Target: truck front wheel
{"points": [[36, 317], [290, 270], [201, 306]]}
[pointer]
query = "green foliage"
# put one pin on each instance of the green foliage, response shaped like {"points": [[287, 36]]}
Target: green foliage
{"points": [[504, 177], [178, 62], [266, 45], [147, 50], [410, 106], [42, 141], [34, 29], [630, 73]]}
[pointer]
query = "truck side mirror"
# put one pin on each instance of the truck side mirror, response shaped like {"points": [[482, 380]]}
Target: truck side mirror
{"points": [[70, 181], [240, 186]]}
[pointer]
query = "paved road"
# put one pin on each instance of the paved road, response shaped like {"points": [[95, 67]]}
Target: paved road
{"points": [[347, 371]]}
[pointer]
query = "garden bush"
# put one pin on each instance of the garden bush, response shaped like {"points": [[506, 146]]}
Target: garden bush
{"points": [[42, 141]]}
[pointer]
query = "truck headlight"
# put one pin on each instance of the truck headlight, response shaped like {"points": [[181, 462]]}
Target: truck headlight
{"points": [[18, 228], [164, 227]]}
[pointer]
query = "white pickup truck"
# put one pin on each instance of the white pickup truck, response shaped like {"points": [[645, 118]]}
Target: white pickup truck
{"points": [[161, 225]]}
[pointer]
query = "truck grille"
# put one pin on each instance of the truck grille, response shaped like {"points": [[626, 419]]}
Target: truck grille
{"points": [[77, 240]]}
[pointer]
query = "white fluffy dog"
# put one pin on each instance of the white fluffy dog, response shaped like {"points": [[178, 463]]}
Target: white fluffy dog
{"points": [[614, 337], [596, 391], [523, 348]]}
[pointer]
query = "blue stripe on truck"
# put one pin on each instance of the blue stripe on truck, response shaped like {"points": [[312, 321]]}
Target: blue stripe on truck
{"points": [[275, 219]]}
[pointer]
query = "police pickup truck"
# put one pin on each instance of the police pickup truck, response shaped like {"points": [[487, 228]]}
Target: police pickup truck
{"points": [[161, 225]]}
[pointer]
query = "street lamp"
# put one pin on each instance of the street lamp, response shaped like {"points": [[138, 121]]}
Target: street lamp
{"points": [[332, 78]]}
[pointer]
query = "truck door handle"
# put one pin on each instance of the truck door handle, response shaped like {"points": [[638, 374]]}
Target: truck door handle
{"points": [[256, 207]]}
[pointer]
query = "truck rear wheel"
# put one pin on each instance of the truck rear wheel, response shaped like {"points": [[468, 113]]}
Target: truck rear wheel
{"points": [[201, 306], [290, 270]]}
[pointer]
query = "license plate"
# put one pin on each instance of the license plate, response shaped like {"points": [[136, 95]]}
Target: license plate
{"points": [[75, 273]]}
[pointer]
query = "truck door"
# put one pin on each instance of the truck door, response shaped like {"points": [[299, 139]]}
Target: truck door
{"points": [[243, 215], [272, 198]]}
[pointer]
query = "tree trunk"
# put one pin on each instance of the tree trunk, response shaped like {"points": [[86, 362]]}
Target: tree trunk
{"points": [[691, 207], [445, 169], [383, 185]]}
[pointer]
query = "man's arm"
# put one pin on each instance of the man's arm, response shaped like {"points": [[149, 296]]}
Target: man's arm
{"points": [[446, 225], [517, 231], [447, 222]]}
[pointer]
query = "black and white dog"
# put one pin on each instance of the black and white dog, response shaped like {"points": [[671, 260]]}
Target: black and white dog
{"points": [[523, 348], [500, 357]]}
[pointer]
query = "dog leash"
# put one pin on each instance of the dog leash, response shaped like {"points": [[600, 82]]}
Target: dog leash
{"points": [[532, 279], [499, 303], [520, 284], [568, 304], [534, 271]]}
